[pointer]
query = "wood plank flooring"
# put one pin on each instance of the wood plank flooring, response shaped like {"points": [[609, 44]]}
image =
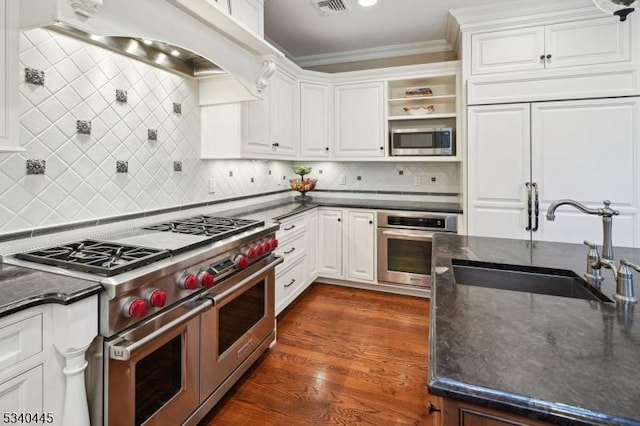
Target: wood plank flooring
{"points": [[343, 357]]}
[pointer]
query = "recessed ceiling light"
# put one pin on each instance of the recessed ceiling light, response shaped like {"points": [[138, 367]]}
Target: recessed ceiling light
{"points": [[147, 42], [174, 52], [367, 3]]}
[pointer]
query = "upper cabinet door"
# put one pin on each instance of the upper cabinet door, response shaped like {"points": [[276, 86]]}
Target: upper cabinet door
{"points": [[590, 42], [359, 119], [9, 52], [509, 50], [283, 116], [250, 13], [314, 120]]}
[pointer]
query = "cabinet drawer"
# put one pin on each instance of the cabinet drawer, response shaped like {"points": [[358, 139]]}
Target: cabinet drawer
{"points": [[20, 340], [290, 226], [287, 282], [291, 247]]}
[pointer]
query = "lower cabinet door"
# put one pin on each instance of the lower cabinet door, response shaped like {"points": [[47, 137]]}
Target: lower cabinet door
{"points": [[361, 247], [22, 396]]}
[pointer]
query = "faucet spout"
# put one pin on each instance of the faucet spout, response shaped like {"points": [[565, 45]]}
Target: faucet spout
{"points": [[606, 212], [551, 211]]}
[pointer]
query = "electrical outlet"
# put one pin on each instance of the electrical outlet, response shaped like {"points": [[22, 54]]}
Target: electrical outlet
{"points": [[417, 181], [343, 180], [212, 186]]}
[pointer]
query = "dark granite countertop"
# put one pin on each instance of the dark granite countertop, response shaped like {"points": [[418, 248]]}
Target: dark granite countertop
{"points": [[558, 359], [22, 288], [281, 209]]}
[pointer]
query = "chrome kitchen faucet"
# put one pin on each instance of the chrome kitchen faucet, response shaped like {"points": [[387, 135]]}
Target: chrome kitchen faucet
{"points": [[622, 274], [607, 214]]}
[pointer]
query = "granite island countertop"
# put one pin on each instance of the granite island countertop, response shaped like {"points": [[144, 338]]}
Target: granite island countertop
{"points": [[22, 288], [558, 359]]}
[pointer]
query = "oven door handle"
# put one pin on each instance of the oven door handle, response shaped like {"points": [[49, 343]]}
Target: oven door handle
{"points": [[409, 234], [228, 292], [123, 350]]}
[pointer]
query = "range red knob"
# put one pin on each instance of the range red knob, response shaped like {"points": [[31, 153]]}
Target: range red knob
{"points": [[188, 282], [250, 252], [265, 246], [273, 243], [241, 261], [136, 308], [157, 298], [258, 249], [206, 279]]}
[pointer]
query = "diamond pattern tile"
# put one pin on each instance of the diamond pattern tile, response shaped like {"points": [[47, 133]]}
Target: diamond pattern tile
{"points": [[81, 180]]}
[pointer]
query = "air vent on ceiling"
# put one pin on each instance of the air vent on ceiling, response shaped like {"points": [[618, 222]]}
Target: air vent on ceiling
{"points": [[330, 7]]}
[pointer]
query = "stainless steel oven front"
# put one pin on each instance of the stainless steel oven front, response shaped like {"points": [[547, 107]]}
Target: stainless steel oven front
{"points": [[153, 370], [405, 245]]}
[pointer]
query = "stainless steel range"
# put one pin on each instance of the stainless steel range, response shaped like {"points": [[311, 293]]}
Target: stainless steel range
{"points": [[187, 307]]}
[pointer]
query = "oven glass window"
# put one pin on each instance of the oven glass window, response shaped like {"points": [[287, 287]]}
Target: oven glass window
{"points": [[238, 316], [413, 257], [158, 378]]}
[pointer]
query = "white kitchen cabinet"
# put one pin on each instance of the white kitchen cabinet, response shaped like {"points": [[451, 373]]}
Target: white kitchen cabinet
{"points": [[22, 394], [289, 284], [249, 13], [359, 119], [330, 243], [569, 44], [347, 244], [311, 259], [269, 124], [361, 245], [314, 120], [221, 131], [581, 150], [9, 70]]}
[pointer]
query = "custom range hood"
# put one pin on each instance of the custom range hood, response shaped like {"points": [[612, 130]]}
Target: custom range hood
{"points": [[206, 40]]}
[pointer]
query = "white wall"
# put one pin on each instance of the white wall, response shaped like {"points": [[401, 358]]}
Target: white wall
{"points": [[81, 182]]}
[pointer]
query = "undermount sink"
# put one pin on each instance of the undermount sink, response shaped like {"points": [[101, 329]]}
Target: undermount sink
{"points": [[527, 279]]}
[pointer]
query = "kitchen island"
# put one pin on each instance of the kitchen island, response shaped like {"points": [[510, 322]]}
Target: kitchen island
{"points": [[555, 359]]}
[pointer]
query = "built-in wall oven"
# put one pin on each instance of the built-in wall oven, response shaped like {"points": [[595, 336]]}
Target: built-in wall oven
{"points": [[405, 245]]}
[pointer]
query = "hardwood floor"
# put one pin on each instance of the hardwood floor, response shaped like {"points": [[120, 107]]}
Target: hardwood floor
{"points": [[344, 356]]}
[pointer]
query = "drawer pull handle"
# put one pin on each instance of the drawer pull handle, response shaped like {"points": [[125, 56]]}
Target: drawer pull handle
{"points": [[289, 228], [290, 251], [293, 280]]}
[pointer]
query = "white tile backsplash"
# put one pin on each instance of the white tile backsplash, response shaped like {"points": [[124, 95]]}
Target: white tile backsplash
{"points": [[81, 181], [385, 176]]}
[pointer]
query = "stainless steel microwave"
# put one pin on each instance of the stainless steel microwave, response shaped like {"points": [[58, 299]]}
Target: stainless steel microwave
{"points": [[422, 141]]}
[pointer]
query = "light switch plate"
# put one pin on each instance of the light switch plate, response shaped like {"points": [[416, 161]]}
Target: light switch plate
{"points": [[212, 186]]}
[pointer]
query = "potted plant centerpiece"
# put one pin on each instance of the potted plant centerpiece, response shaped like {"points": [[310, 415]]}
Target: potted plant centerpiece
{"points": [[302, 185]]}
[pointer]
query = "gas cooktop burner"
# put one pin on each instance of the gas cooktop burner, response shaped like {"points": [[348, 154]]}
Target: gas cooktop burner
{"points": [[211, 226], [96, 257]]}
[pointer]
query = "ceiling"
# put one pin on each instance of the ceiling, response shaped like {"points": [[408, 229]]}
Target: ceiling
{"points": [[419, 26]]}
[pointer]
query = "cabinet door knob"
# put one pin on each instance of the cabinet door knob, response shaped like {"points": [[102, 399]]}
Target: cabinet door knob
{"points": [[548, 57], [542, 57], [433, 408], [370, 222], [339, 220], [382, 147], [276, 144], [326, 149]]}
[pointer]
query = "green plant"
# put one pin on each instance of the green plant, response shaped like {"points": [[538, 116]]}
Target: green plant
{"points": [[302, 170]]}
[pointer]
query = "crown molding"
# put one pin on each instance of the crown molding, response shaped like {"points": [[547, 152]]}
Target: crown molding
{"points": [[381, 52], [522, 12]]}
